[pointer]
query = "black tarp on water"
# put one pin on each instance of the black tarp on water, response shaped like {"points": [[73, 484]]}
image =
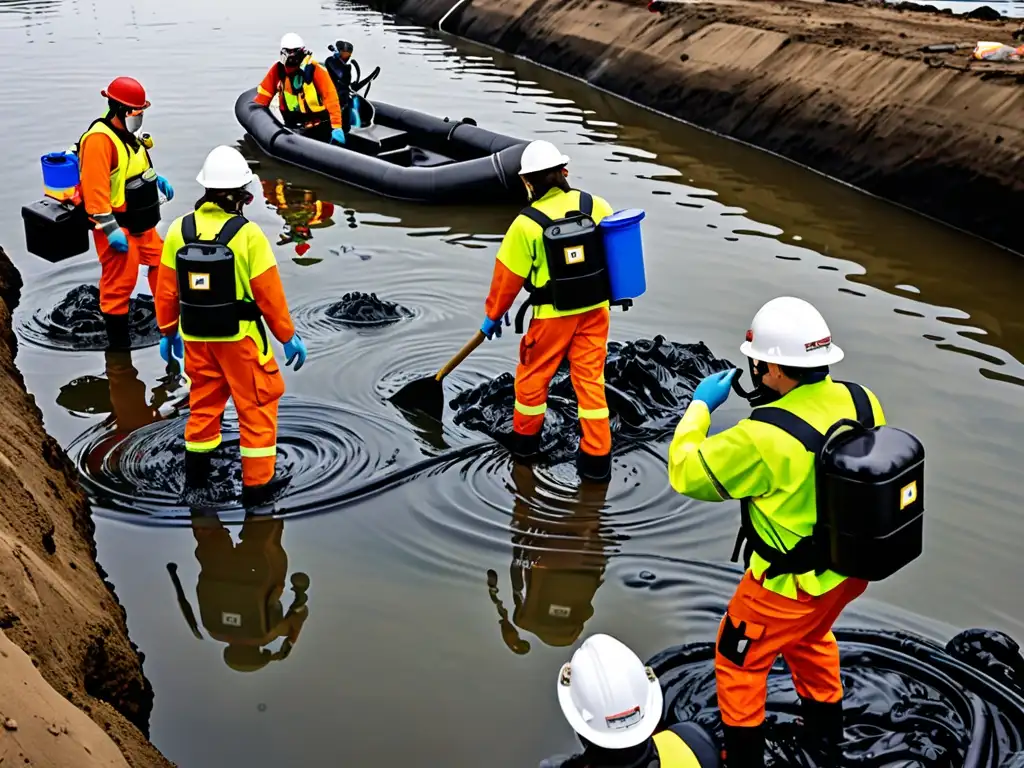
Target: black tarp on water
{"points": [[909, 703], [649, 383]]}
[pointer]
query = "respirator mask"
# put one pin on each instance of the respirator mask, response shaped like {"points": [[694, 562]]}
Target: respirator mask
{"points": [[760, 394], [292, 57]]}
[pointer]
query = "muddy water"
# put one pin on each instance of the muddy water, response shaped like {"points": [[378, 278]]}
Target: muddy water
{"points": [[421, 633]]}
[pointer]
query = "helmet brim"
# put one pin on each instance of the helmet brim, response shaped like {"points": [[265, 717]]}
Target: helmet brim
{"points": [[526, 171], [613, 739], [144, 105], [833, 354]]}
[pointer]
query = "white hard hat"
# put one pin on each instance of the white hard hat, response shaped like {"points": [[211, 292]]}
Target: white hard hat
{"points": [[291, 42], [607, 694], [224, 168], [541, 156], [789, 331]]}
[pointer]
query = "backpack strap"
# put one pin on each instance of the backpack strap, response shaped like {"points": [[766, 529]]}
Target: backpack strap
{"points": [[861, 404], [791, 424], [586, 203], [230, 229], [536, 216], [188, 229]]}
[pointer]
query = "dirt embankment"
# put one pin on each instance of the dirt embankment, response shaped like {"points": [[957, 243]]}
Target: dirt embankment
{"points": [[840, 87], [54, 603]]}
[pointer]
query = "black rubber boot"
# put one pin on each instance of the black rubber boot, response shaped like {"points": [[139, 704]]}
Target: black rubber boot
{"points": [[597, 469], [744, 747], [118, 335], [197, 469], [525, 448], [823, 731], [259, 499]]}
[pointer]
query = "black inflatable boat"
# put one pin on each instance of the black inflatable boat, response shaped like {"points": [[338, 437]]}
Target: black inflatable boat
{"points": [[399, 153]]}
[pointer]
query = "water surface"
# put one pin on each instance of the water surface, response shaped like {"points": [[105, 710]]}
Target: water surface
{"points": [[413, 644]]}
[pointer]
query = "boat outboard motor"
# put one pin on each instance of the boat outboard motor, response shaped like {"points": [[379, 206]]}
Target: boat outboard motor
{"points": [[210, 308], [870, 496]]}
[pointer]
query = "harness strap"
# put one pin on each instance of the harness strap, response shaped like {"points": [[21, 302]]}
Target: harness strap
{"points": [[807, 555]]}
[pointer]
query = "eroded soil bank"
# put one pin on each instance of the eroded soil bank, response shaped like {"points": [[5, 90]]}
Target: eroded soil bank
{"points": [[842, 88], [54, 603]]}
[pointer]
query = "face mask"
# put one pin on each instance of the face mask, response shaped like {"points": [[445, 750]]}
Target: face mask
{"points": [[291, 59], [760, 394], [133, 122]]}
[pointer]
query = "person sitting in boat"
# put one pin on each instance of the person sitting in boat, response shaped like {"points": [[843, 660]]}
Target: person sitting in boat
{"points": [[614, 704], [346, 73], [307, 97]]}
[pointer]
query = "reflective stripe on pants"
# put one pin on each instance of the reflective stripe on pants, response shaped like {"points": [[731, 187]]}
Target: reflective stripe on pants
{"points": [[222, 369], [584, 339], [759, 625]]}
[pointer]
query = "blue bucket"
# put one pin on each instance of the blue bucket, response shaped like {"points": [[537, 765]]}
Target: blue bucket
{"points": [[624, 250], [60, 174]]}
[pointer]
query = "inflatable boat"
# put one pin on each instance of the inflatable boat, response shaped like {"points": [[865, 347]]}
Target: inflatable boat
{"points": [[399, 153]]}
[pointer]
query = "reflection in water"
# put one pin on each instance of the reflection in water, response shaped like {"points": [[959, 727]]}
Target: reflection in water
{"points": [[302, 212], [240, 588], [558, 561], [121, 393]]}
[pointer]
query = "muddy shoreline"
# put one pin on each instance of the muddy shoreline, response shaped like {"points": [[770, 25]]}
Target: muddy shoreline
{"points": [[840, 87], [55, 604]]}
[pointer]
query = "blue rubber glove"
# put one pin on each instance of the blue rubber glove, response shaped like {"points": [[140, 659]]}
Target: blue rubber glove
{"points": [[491, 328], [165, 187], [338, 136], [714, 390], [172, 345], [118, 241], [295, 347]]}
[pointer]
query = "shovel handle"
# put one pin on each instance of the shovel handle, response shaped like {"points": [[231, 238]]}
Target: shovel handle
{"points": [[461, 355]]}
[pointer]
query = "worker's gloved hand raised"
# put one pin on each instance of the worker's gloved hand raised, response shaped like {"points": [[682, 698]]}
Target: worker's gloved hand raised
{"points": [[714, 389], [338, 136], [172, 345], [491, 328], [295, 348], [118, 241], [165, 187]]}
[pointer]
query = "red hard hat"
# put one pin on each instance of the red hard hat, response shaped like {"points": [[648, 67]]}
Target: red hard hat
{"points": [[127, 91]]}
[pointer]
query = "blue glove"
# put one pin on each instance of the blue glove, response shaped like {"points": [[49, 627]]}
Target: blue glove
{"points": [[118, 241], [295, 347], [491, 328], [338, 136], [165, 187], [172, 345], [714, 390]]}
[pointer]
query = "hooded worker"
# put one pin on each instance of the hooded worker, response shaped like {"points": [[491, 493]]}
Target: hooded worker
{"points": [[569, 296], [558, 563], [307, 97], [345, 73], [789, 598], [220, 286], [614, 704], [121, 194], [240, 588]]}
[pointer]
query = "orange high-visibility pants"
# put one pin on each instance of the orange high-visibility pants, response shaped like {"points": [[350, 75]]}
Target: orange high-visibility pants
{"points": [[584, 338], [758, 626], [222, 369], [120, 271]]}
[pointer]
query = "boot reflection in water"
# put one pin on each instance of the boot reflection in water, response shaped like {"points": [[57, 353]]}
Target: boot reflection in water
{"points": [[301, 210], [240, 588], [126, 398], [558, 563]]}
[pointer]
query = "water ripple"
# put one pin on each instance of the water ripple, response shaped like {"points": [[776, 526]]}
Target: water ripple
{"points": [[328, 453]]}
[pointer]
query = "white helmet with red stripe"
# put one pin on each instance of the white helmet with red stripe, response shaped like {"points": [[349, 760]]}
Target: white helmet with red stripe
{"points": [[790, 331]]}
